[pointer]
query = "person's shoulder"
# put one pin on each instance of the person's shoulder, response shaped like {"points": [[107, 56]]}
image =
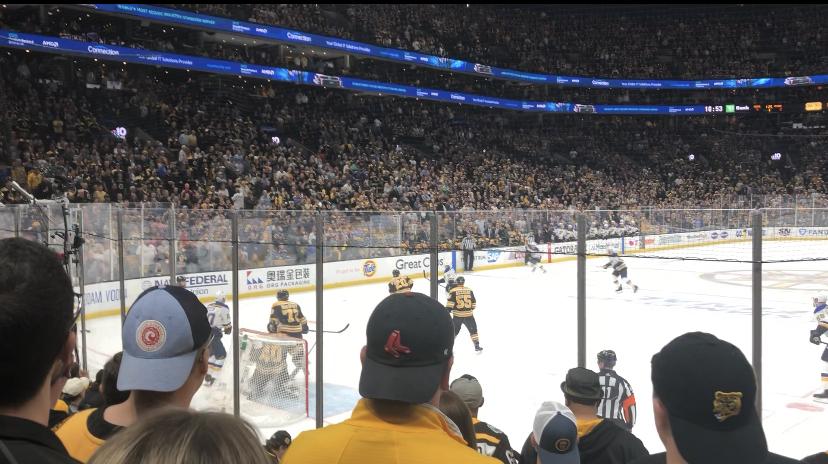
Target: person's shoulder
{"points": [[618, 432], [26, 452], [659, 458], [620, 377], [819, 458], [778, 459]]}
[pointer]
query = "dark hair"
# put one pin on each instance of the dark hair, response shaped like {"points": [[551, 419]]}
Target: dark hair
{"points": [[109, 381], [456, 409], [74, 370], [36, 303]]}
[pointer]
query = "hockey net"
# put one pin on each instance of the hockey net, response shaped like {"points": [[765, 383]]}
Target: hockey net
{"points": [[273, 380]]}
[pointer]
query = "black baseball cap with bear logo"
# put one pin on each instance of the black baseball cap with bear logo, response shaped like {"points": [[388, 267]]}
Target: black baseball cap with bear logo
{"points": [[709, 390]]}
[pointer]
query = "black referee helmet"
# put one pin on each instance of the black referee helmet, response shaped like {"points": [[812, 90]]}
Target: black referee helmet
{"points": [[607, 357]]}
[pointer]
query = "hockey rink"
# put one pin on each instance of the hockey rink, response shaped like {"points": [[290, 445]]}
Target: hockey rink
{"points": [[527, 326]]}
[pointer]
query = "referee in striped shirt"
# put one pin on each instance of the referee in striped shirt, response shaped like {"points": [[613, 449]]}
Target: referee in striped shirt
{"points": [[618, 403], [468, 252]]}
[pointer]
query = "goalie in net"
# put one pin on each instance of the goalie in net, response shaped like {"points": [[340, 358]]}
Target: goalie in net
{"points": [[275, 369], [271, 369]]}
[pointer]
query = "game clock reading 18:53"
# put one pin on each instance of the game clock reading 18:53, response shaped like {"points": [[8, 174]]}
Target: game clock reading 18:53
{"points": [[714, 109]]}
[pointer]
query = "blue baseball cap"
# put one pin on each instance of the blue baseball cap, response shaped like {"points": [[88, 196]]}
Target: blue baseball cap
{"points": [[556, 434], [162, 334]]}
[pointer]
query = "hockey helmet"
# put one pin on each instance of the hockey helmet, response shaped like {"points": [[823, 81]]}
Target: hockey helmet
{"points": [[282, 295], [220, 298], [181, 280], [395, 273], [460, 280], [611, 251], [820, 299], [447, 268]]}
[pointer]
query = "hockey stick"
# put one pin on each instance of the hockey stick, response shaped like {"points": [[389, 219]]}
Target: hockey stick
{"points": [[427, 277], [297, 369], [333, 331]]}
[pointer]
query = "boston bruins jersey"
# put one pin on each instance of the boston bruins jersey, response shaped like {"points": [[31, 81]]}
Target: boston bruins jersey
{"points": [[288, 318], [461, 302], [400, 284], [494, 443], [270, 359]]}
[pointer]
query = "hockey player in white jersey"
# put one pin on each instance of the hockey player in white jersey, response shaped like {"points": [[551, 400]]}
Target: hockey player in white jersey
{"points": [[533, 254], [218, 314], [821, 318], [449, 278], [619, 271]]}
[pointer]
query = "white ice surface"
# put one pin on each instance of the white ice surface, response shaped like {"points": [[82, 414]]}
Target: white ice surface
{"points": [[527, 326]]}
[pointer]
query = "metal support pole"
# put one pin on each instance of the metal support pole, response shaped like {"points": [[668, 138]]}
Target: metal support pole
{"points": [[581, 290], [172, 254], [813, 210], [434, 260], [17, 222], [142, 264], [320, 334], [82, 302], [122, 276], [234, 278], [757, 306]]}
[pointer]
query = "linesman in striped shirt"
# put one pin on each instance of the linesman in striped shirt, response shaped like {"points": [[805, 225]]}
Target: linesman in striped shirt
{"points": [[619, 401], [468, 252]]}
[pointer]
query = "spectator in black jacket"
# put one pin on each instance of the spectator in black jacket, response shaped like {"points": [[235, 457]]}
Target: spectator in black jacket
{"points": [[600, 441], [93, 397], [490, 440], [38, 341], [819, 458], [704, 394]]}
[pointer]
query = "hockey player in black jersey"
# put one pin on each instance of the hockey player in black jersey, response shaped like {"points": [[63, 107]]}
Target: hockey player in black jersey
{"points": [[461, 303], [400, 283], [619, 271], [490, 441], [286, 318]]}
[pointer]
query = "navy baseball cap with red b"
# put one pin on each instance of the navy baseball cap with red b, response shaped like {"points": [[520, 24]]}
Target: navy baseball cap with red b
{"points": [[709, 390], [410, 339], [163, 332]]}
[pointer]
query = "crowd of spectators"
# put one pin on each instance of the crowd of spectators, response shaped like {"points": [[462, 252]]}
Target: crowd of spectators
{"points": [[680, 43], [205, 145]]}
